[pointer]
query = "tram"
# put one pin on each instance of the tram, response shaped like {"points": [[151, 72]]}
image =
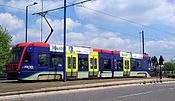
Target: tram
{"points": [[43, 61]]}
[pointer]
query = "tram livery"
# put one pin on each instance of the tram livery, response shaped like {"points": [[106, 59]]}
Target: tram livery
{"points": [[41, 61]]}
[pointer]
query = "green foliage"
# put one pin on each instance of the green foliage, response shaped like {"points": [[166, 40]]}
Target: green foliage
{"points": [[3, 75], [5, 41], [171, 75], [169, 66]]}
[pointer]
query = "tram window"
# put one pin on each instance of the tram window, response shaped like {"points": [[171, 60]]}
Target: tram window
{"points": [[15, 55], [107, 64], [145, 63], [57, 60], [126, 64], [27, 57], [120, 64], [95, 63], [43, 59], [91, 63], [133, 65], [74, 62], [83, 63], [139, 64], [69, 62]]}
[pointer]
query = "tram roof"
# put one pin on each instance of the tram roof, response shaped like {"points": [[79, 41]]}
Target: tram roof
{"points": [[41, 44]]}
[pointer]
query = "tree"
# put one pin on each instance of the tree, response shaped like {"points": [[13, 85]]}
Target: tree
{"points": [[169, 66], [5, 41]]}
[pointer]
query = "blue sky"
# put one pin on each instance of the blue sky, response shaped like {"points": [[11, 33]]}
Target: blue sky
{"points": [[104, 24]]}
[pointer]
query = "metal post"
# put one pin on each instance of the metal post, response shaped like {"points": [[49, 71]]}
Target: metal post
{"points": [[42, 21], [27, 16], [143, 44], [26, 21], [64, 59]]}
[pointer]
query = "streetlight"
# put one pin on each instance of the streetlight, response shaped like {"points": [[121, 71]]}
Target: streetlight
{"points": [[27, 16]]}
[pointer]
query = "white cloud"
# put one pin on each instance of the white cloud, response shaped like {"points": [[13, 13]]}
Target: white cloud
{"points": [[162, 47], [2, 2], [48, 4], [58, 24], [11, 22], [141, 11], [71, 24], [165, 44], [33, 35], [91, 27], [101, 39], [57, 36]]}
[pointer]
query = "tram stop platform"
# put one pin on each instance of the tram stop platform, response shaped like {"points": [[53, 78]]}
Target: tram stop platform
{"points": [[13, 87]]}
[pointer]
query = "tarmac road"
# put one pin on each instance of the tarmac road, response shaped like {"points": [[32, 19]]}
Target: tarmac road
{"points": [[134, 92]]}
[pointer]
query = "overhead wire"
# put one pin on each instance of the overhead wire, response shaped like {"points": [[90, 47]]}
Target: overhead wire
{"points": [[127, 20], [102, 12], [98, 11], [99, 26], [12, 7], [110, 29]]}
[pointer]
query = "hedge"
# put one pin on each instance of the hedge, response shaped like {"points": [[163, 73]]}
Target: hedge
{"points": [[171, 75]]}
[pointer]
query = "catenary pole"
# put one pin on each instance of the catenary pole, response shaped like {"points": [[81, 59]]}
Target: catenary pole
{"points": [[26, 22], [64, 61], [143, 42]]}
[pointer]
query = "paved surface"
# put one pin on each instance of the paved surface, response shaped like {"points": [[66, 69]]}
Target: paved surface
{"points": [[15, 88], [135, 92], [14, 85]]}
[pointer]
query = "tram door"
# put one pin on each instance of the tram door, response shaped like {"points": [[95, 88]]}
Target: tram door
{"points": [[93, 65], [53, 68], [71, 65], [56, 65], [126, 67]]}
